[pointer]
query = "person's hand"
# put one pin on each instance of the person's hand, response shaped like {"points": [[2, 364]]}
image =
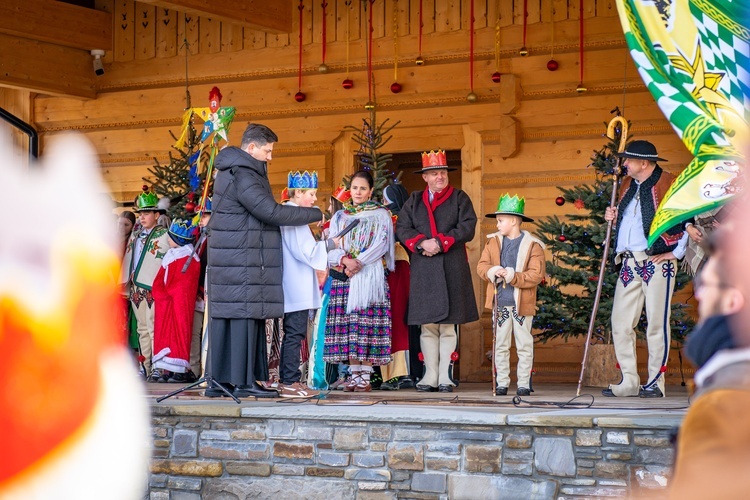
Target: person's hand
{"points": [[695, 234], [337, 241], [662, 257], [430, 247], [501, 273], [610, 214], [351, 266]]}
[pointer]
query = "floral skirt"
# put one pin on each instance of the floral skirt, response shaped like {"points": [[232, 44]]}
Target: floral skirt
{"points": [[364, 335]]}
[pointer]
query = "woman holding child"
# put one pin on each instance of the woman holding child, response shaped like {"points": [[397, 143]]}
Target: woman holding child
{"points": [[358, 325]]}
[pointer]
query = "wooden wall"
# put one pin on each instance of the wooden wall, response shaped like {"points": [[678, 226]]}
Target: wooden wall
{"points": [[527, 134]]}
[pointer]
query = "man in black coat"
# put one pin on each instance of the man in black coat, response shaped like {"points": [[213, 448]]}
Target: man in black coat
{"points": [[435, 225], [244, 265]]}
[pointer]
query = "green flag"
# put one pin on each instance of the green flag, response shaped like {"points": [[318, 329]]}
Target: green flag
{"points": [[694, 57]]}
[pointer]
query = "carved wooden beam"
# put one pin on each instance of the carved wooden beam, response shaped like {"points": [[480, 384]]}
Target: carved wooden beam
{"points": [[58, 23], [274, 16]]}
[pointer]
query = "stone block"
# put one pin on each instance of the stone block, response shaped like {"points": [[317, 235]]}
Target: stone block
{"points": [[554, 431], [184, 483], [160, 432], [310, 433], [447, 448], [578, 482], [614, 437], [480, 458], [652, 441], [288, 470], [651, 476], [554, 456], [381, 432], [588, 437], [367, 460], [406, 434], [372, 485], [368, 474], [658, 456], [248, 469], [617, 470], [585, 463], [379, 446], [585, 472], [324, 472], [470, 436], [160, 453], [286, 488], [159, 495], [161, 443], [207, 468], [613, 482], [471, 487], [248, 434], [348, 438], [449, 464], [333, 459], [518, 462], [184, 495], [209, 435], [297, 452], [234, 450], [157, 481], [280, 429], [406, 456], [429, 481], [376, 495], [593, 491], [184, 443], [625, 457], [518, 441]]}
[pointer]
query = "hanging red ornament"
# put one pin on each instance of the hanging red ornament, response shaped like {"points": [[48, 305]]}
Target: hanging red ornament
{"points": [[579, 204], [552, 65], [347, 84], [580, 88], [562, 238], [472, 97], [560, 201], [593, 278], [191, 196], [454, 356], [524, 51], [543, 282], [496, 77], [144, 188], [189, 207], [395, 87], [419, 61], [323, 68], [299, 96]]}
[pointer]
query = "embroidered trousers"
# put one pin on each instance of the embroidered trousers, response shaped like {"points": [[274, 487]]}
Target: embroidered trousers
{"points": [[508, 324], [438, 343], [144, 317], [641, 282]]}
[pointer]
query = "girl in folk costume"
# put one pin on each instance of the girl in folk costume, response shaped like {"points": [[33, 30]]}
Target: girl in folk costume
{"points": [[358, 326], [175, 289]]}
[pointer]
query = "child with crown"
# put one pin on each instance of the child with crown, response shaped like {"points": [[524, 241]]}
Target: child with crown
{"points": [[143, 255], [302, 257], [175, 289], [513, 264]]}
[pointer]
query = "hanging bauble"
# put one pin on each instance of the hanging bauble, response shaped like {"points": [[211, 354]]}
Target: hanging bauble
{"points": [[579, 204], [369, 105], [347, 84], [144, 188], [323, 68], [395, 87], [419, 61], [581, 89], [560, 201], [552, 65], [191, 196], [562, 238], [593, 278], [524, 52], [496, 77], [544, 282], [189, 207], [472, 97], [299, 96]]}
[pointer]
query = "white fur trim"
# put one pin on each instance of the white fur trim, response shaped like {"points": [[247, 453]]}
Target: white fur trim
{"points": [[491, 274], [510, 274]]}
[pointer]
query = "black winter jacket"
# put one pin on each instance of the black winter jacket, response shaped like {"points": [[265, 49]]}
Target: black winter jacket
{"points": [[244, 270]]}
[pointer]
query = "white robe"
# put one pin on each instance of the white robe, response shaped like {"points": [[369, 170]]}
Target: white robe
{"points": [[302, 255]]}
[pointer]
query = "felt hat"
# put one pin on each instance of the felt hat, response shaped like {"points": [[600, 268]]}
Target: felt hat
{"points": [[640, 150], [508, 205], [182, 231], [434, 160]]}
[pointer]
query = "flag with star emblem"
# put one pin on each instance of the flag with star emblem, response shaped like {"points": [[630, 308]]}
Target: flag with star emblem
{"points": [[694, 57]]}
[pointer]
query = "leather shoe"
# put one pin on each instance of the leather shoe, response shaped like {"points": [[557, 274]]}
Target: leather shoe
{"points": [[426, 388], [215, 392], [501, 391], [608, 393], [245, 391], [523, 391], [445, 388], [653, 392]]}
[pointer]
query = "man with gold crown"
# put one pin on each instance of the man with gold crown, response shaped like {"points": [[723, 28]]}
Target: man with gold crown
{"points": [[435, 225], [142, 261]]}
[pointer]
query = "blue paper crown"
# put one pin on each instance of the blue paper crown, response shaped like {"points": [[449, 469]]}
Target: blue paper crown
{"points": [[182, 231], [302, 180]]}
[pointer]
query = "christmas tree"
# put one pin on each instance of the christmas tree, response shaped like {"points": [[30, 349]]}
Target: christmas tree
{"points": [[371, 138], [566, 298]]}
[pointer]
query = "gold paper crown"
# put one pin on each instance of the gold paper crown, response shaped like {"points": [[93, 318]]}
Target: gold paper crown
{"points": [[434, 159]]}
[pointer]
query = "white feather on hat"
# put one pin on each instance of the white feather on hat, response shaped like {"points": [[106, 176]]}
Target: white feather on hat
{"points": [[164, 203]]}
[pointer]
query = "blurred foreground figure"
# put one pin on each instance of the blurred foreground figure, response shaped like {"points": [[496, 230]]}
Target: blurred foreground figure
{"points": [[73, 421]]}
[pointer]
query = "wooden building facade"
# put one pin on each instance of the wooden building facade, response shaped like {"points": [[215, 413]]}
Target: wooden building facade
{"points": [[526, 134]]}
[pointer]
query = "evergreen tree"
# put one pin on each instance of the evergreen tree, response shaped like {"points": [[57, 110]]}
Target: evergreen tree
{"points": [[371, 138], [566, 299]]}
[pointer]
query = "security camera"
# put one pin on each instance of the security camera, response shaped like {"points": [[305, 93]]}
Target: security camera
{"points": [[98, 66]]}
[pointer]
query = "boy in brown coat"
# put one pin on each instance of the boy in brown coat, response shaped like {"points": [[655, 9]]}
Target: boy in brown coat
{"points": [[513, 264]]}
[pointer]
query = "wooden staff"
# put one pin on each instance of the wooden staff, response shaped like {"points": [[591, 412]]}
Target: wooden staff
{"points": [[612, 203]]}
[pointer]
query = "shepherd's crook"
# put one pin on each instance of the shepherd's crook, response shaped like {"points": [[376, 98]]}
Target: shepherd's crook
{"points": [[612, 203]]}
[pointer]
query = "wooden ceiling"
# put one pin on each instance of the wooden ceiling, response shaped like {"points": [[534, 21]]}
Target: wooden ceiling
{"points": [[46, 44]]}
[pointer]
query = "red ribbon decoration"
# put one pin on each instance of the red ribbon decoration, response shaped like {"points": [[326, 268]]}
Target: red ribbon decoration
{"points": [[471, 46], [580, 40], [301, 8], [369, 56], [525, 17], [421, 26], [324, 5]]}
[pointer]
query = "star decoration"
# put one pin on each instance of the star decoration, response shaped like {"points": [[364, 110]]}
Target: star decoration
{"points": [[706, 82]]}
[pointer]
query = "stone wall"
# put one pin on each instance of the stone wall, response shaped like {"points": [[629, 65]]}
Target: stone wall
{"points": [[239, 452]]}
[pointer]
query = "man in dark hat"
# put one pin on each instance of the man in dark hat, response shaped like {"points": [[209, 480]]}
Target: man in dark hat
{"points": [[647, 274], [435, 225]]}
